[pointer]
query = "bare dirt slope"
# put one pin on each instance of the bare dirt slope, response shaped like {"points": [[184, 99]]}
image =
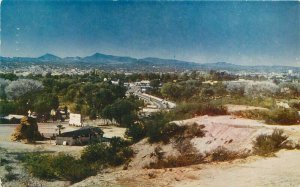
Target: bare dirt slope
{"points": [[227, 131], [234, 133], [282, 170]]}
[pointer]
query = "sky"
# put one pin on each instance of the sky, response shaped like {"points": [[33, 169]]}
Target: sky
{"points": [[247, 33]]}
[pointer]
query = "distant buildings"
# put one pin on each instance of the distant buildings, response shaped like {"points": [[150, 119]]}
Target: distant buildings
{"points": [[144, 85]]}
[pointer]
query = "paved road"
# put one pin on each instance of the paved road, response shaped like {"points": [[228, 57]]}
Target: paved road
{"points": [[159, 103]]}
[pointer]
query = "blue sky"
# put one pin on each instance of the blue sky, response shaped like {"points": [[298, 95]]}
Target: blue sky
{"points": [[236, 32]]}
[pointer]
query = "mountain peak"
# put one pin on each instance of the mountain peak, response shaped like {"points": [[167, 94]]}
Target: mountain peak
{"points": [[98, 54], [49, 56], [221, 63]]}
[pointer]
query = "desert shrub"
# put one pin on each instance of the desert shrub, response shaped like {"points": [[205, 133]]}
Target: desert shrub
{"points": [[70, 168], [96, 152], [155, 126], [164, 132], [8, 168], [283, 116], [185, 160], [268, 144], [159, 129], [177, 161], [295, 105], [221, 154], [252, 114], [159, 152], [116, 153], [188, 155], [39, 165], [194, 130], [280, 116], [4, 161], [266, 102], [61, 166], [171, 130], [136, 131], [10, 177], [188, 110]]}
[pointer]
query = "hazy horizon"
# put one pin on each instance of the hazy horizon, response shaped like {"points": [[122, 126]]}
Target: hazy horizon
{"points": [[246, 33]]}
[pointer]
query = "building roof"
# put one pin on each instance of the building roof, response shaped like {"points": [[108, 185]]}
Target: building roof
{"points": [[84, 131], [11, 116]]}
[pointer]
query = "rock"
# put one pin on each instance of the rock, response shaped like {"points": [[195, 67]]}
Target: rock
{"points": [[289, 144], [151, 175]]}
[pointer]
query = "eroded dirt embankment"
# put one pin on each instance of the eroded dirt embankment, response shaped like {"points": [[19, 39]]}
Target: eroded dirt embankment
{"points": [[227, 131], [232, 133]]}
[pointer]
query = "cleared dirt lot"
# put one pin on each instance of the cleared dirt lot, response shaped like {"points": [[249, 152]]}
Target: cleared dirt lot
{"points": [[45, 128]]}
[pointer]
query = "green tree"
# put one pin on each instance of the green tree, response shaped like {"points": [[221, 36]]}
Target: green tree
{"points": [[9, 76], [7, 107], [44, 102], [136, 131], [172, 91], [123, 111]]}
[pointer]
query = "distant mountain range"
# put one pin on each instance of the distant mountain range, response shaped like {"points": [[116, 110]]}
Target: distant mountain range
{"points": [[111, 61]]}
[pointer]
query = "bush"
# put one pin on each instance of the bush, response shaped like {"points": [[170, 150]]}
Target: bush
{"points": [[266, 102], [96, 152], [69, 168], [40, 166], [295, 105], [159, 129], [171, 130], [177, 161], [10, 177], [8, 168], [4, 161], [155, 126], [266, 145], [222, 154], [117, 153], [283, 116], [189, 155], [194, 130], [188, 110], [136, 131], [252, 114], [61, 166]]}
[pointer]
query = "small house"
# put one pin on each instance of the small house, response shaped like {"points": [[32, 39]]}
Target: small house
{"points": [[80, 136]]}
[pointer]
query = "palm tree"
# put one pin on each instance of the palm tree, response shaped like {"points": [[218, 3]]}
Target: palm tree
{"points": [[59, 127]]}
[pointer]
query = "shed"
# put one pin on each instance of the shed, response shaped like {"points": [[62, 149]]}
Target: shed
{"points": [[80, 136]]}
